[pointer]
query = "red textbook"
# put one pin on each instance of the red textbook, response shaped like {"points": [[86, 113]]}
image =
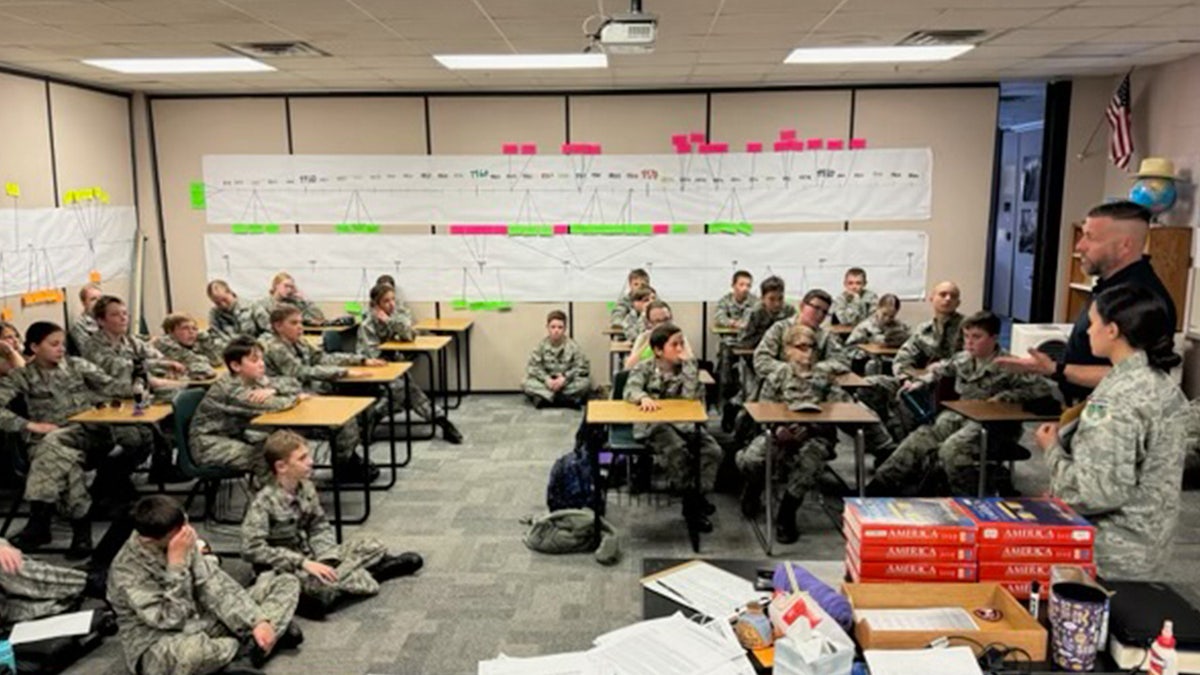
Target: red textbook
{"points": [[1039, 520], [896, 521]]}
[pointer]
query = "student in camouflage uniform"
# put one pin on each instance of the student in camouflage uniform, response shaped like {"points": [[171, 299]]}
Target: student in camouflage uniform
{"points": [[951, 442], [733, 311], [10, 348], [84, 326], [855, 303], [768, 311], [227, 316], [668, 376], [31, 589], [388, 322], [220, 433], [56, 387], [180, 614], [117, 352], [285, 530], [638, 278], [289, 357], [657, 313], [257, 319], [635, 319], [1122, 464], [802, 449], [831, 357], [880, 328], [558, 373], [182, 344]]}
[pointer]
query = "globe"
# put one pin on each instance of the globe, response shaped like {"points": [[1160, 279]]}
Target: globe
{"points": [[1156, 194]]}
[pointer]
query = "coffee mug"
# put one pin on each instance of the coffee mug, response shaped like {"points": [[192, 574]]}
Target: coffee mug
{"points": [[1076, 612]]}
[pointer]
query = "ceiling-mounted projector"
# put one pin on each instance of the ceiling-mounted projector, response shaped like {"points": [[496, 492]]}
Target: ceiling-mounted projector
{"points": [[632, 32]]}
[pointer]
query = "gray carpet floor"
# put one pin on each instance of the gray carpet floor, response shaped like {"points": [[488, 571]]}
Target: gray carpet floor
{"points": [[483, 593]]}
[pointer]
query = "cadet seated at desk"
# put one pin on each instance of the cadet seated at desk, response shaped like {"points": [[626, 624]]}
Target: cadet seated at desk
{"points": [[733, 310], [283, 293], [637, 278], [855, 303], [227, 317], [183, 343], [881, 328], [657, 314]]}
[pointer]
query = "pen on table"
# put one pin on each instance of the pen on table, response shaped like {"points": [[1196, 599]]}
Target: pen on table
{"points": [[1035, 590]]}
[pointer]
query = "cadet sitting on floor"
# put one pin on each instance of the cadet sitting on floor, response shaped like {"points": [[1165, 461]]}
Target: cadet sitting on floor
{"points": [[557, 373], [180, 614], [31, 589], [285, 530]]}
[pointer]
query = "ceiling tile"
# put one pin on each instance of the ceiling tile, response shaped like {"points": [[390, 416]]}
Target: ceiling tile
{"points": [[1101, 17], [174, 11], [987, 19], [69, 14], [1188, 15], [1054, 36]]}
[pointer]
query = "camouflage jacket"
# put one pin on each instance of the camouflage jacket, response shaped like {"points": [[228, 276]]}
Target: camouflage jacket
{"points": [[634, 325], [118, 359], [870, 330], [281, 530], [305, 363], [226, 324], [852, 311], [622, 307], [760, 321], [730, 312], [932, 340], [198, 360], [373, 332], [54, 394], [566, 359], [226, 409], [981, 379], [786, 385], [831, 356], [83, 327], [647, 379]]}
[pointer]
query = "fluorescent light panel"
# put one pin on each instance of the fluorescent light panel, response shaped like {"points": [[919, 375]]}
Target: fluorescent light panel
{"points": [[521, 61], [885, 54], [219, 64]]}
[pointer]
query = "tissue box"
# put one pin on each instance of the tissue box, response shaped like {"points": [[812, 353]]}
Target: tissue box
{"points": [[788, 659]]}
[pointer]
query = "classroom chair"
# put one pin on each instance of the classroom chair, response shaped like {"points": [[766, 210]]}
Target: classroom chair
{"points": [[208, 478]]}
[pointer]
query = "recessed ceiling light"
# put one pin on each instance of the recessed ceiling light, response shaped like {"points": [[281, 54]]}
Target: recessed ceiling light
{"points": [[218, 64], [885, 54], [521, 61]]}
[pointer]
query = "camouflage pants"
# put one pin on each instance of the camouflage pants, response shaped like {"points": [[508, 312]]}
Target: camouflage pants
{"points": [[39, 590], [882, 396], [208, 450], [727, 372], [351, 560], [211, 648], [414, 397], [951, 443], [60, 459], [575, 389], [670, 446], [801, 464]]}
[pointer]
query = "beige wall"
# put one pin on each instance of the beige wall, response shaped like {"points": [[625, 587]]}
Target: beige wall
{"points": [[958, 123], [78, 136]]}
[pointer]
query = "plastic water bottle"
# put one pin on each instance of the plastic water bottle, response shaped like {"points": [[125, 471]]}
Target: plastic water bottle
{"points": [[139, 397], [8, 662], [1163, 660]]}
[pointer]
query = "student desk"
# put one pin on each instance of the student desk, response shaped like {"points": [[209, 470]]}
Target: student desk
{"points": [[460, 332], [314, 339], [878, 353], [207, 381], [613, 332], [617, 349], [672, 411], [851, 381], [772, 414], [153, 416], [725, 331], [428, 346], [992, 412], [329, 328], [706, 378], [842, 329], [328, 413], [382, 377]]}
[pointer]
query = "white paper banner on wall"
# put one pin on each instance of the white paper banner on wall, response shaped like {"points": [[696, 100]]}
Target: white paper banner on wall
{"points": [[783, 187], [56, 247], [692, 267]]}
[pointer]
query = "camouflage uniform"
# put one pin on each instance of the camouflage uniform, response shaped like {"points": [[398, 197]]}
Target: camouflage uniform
{"points": [[803, 459], [313, 370], [255, 321], [568, 360], [398, 328], [634, 325], [757, 324], [189, 620], [769, 356], [118, 359], [670, 442], [198, 359], [220, 433], [623, 306], [56, 472], [952, 441], [283, 530], [644, 352], [871, 331], [729, 313], [83, 328], [38, 590], [226, 324], [854, 310], [1123, 466]]}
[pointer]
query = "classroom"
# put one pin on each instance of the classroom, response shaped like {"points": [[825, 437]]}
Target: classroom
{"points": [[545, 321]]}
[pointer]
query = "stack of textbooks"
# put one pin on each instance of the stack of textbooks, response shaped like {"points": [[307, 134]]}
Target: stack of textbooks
{"points": [[1020, 539], [893, 539]]}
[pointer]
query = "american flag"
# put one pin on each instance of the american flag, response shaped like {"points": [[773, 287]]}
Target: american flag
{"points": [[1120, 144]]}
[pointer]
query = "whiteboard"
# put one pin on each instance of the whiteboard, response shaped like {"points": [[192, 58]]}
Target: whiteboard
{"points": [[682, 267], [779, 187], [56, 247]]}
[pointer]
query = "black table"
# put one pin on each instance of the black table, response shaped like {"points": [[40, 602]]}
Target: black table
{"points": [[655, 606]]}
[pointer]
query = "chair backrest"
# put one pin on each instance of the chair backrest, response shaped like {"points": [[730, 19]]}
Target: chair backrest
{"points": [[185, 404], [618, 385], [1053, 348], [331, 341]]}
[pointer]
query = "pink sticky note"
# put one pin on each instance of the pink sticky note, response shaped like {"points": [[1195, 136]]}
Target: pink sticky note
{"points": [[835, 144], [814, 144], [683, 148], [661, 228], [697, 137], [509, 148], [471, 228], [705, 148], [858, 144], [593, 148], [562, 228], [782, 146], [676, 139], [567, 148], [753, 146], [529, 148], [787, 134]]}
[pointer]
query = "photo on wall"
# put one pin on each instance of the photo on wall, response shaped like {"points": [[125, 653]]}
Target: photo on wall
{"points": [[1027, 231]]}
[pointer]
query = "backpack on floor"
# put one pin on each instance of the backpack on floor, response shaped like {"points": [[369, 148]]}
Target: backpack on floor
{"points": [[573, 531], [570, 484]]}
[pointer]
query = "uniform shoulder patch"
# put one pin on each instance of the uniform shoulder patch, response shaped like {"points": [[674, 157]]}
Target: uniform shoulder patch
{"points": [[1096, 409]]}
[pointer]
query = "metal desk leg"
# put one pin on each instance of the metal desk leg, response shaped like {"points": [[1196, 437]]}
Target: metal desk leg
{"points": [[392, 464], [408, 426], [458, 373], [467, 339], [860, 462], [768, 538], [693, 533], [337, 488], [983, 450]]}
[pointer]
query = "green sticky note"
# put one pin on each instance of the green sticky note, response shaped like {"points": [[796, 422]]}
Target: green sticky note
{"points": [[353, 307], [357, 228], [271, 229], [745, 228], [459, 304], [199, 197], [254, 228], [611, 307], [639, 229], [679, 229], [530, 230]]}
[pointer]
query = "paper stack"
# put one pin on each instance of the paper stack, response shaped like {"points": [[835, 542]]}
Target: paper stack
{"points": [[1020, 539], [895, 539]]}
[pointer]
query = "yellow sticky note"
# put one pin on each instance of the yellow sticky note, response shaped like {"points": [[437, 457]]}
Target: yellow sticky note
{"points": [[12, 189], [101, 195], [94, 276], [85, 195], [69, 197]]}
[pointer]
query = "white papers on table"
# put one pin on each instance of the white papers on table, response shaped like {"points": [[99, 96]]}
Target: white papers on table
{"points": [[63, 625], [670, 646], [947, 661], [705, 588], [927, 618], [570, 663]]}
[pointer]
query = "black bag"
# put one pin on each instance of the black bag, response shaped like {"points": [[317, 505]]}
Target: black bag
{"points": [[570, 484]]}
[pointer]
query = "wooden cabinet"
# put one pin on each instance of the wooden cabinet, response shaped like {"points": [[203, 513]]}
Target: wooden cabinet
{"points": [[1170, 251]]}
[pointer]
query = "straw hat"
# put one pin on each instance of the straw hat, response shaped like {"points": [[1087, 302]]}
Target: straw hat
{"points": [[1156, 167]]}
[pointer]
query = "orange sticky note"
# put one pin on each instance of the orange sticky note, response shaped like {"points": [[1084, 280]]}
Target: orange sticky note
{"points": [[94, 276], [6, 314]]}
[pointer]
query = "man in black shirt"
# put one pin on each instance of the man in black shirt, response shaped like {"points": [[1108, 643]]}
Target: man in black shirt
{"points": [[1114, 236]]}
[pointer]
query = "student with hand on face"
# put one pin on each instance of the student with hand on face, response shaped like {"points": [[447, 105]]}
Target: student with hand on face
{"points": [[283, 293], [11, 357], [227, 318], [181, 343], [1120, 464], [84, 326], [638, 278], [657, 313], [855, 303]]}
